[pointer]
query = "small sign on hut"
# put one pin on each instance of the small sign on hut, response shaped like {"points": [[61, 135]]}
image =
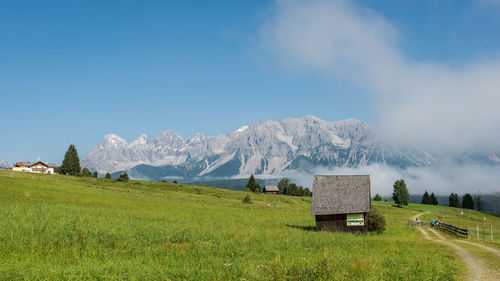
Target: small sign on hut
{"points": [[341, 203]]}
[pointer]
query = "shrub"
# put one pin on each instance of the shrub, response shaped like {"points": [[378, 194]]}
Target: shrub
{"points": [[246, 200], [176, 182], [376, 222], [123, 177]]}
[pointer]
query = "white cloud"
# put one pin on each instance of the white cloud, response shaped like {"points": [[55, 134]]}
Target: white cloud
{"points": [[418, 103], [442, 180]]}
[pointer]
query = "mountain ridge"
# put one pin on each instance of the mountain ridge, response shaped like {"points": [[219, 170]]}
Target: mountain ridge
{"points": [[269, 148]]}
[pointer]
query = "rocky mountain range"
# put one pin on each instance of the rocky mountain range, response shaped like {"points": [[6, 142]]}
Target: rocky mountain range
{"points": [[266, 148]]}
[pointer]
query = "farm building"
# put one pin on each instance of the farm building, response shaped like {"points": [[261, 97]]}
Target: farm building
{"points": [[341, 203], [271, 189], [35, 167]]}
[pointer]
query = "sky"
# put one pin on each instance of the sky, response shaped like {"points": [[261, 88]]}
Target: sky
{"points": [[424, 73]]}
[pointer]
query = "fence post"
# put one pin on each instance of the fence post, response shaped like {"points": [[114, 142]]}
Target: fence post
{"points": [[477, 232], [491, 233], [483, 233]]}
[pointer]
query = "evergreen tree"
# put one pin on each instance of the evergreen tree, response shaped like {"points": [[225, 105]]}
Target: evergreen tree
{"points": [[292, 189], [401, 196], [95, 174], [107, 176], [433, 199], [71, 162], [426, 198], [479, 202], [86, 173], [377, 197], [257, 188], [457, 201], [454, 201], [283, 186], [123, 177], [467, 202], [252, 185], [451, 200]]}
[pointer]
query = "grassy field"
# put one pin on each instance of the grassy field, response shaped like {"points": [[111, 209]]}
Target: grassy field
{"points": [[68, 228]]}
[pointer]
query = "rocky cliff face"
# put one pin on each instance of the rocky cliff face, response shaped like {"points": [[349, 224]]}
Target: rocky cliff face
{"points": [[266, 148]]}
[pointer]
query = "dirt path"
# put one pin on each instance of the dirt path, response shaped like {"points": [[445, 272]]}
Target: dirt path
{"points": [[476, 267]]}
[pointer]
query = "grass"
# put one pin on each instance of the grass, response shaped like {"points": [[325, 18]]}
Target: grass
{"points": [[67, 228]]}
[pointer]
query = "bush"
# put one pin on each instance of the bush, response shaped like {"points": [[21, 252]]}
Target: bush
{"points": [[377, 197], [123, 177], [246, 200], [376, 222]]}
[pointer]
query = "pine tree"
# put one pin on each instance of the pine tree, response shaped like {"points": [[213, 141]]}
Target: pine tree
{"points": [[454, 201], [107, 176], [479, 202], [433, 199], [71, 162], [377, 197], [283, 186], [401, 196], [426, 198], [86, 173], [251, 185], [467, 202], [95, 174]]}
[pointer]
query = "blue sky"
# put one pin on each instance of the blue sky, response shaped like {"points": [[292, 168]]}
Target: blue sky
{"points": [[73, 71]]}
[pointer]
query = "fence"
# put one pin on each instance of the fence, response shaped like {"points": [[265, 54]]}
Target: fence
{"points": [[462, 232]]}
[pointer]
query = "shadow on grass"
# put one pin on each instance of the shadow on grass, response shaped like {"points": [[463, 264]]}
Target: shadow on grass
{"points": [[306, 228]]}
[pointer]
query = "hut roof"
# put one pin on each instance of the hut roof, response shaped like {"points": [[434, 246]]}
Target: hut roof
{"points": [[340, 195], [271, 188]]}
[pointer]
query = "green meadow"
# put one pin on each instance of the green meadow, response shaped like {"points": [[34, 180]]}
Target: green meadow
{"points": [[68, 228]]}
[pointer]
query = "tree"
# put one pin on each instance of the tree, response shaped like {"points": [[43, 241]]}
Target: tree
{"points": [[433, 199], [453, 200], [71, 162], [86, 173], [123, 177], [95, 174], [252, 185], [401, 196], [479, 202], [426, 198], [257, 188], [107, 176], [467, 202], [283, 186], [377, 197], [307, 192], [292, 189]]}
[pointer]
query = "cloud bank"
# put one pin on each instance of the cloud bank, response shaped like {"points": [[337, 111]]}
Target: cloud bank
{"points": [[442, 180], [428, 104]]}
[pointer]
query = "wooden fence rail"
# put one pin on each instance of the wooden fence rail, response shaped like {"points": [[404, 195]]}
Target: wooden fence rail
{"points": [[463, 232]]}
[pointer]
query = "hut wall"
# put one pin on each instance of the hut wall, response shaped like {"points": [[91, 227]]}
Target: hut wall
{"points": [[338, 223]]}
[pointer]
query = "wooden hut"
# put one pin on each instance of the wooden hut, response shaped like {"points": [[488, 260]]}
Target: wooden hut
{"points": [[341, 203], [271, 189]]}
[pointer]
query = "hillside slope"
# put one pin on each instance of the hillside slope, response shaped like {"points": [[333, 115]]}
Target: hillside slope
{"points": [[61, 227]]}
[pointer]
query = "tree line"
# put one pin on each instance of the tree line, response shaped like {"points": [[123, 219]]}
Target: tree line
{"points": [[285, 187], [401, 196]]}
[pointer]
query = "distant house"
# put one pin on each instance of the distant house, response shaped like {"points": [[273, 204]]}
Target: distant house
{"points": [[35, 167], [341, 203], [271, 189]]}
